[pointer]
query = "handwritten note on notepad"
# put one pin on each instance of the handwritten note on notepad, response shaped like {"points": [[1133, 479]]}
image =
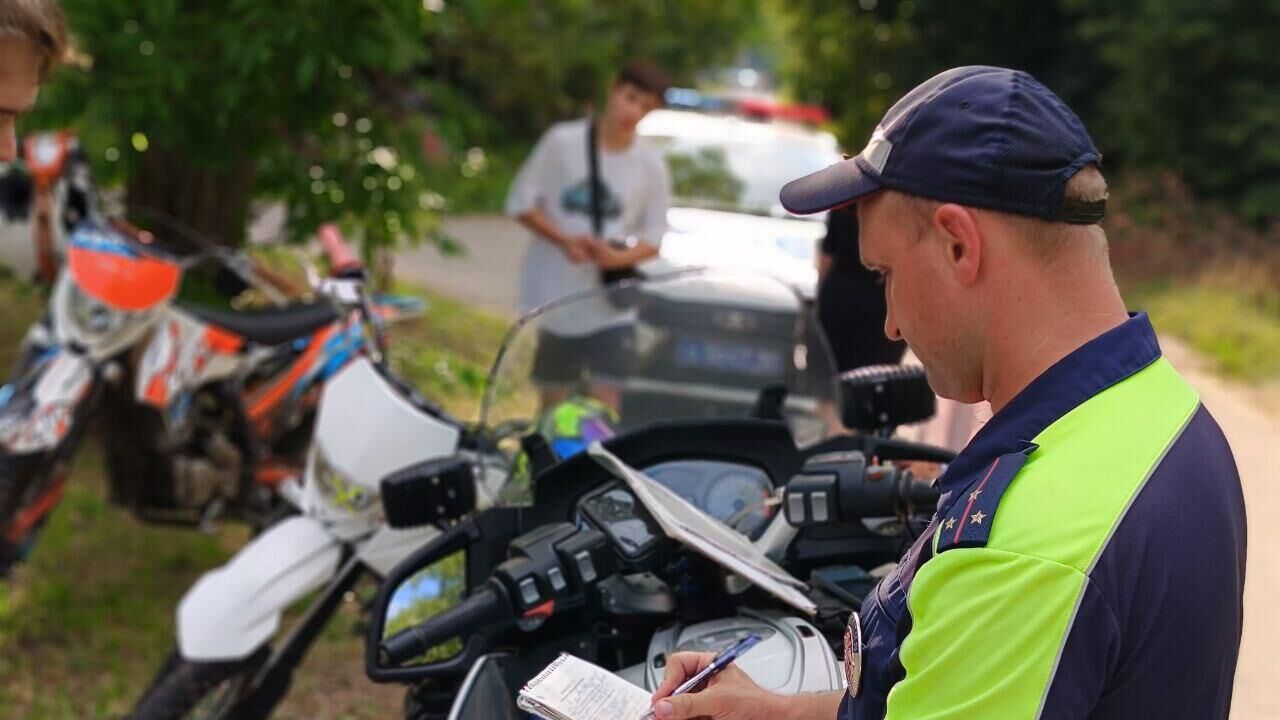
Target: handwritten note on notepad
{"points": [[573, 689]]}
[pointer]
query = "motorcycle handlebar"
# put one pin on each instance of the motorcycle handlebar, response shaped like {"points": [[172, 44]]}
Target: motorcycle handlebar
{"points": [[488, 608], [342, 261]]}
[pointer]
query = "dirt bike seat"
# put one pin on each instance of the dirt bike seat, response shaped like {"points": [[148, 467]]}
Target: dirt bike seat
{"points": [[272, 326]]}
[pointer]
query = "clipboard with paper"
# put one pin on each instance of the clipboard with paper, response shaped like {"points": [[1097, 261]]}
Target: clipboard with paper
{"points": [[705, 535]]}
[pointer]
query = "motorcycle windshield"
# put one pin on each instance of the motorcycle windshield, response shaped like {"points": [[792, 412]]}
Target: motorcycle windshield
{"points": [[692, 344]]}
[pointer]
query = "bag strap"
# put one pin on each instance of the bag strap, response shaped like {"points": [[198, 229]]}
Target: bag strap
{"points": [[593, 163]]}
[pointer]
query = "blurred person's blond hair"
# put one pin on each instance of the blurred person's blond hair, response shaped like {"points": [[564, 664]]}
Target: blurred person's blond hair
{"points": [[40, 22]]}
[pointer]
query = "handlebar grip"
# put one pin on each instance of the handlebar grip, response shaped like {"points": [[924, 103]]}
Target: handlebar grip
{"points": [[341, 259], [487, 609]]}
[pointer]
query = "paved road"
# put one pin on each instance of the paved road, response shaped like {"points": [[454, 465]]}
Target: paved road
{"points": [[487, 276]]}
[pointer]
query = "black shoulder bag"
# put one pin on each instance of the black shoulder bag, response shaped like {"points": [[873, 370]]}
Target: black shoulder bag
{"points": [[597, 210]]}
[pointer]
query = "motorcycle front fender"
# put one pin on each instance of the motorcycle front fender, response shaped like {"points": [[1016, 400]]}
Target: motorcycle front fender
{"points": [[233, 610]]}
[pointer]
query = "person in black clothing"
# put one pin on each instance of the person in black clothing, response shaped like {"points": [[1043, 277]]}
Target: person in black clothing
{"points": [[851, 304]]}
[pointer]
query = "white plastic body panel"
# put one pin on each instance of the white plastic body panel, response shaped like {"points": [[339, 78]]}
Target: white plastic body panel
{"points": [[793, 657], [64, 383], [232, 611], [366, 431], [178, 359]]}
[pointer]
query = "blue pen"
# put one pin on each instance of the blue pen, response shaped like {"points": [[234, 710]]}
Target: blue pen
{"points": [[720, 662]]}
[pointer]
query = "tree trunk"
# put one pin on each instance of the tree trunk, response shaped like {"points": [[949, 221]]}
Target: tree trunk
{"points": [[212, 200]]}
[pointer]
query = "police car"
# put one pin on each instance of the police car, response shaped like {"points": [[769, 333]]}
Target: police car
{"points": [[728, 332], [726, 172]]}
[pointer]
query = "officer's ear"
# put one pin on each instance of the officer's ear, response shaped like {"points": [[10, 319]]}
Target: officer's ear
{"points": [[958, 229]]}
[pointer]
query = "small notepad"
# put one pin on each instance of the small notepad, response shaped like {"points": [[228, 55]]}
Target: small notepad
{"points": [[573, 689]]}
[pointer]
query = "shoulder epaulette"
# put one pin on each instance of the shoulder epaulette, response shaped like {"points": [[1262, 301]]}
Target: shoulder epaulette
{"points": [[968, 523]]}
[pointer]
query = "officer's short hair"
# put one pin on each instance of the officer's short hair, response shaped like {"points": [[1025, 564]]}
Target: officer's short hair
{"points": [[42, 23], [1046, 237]]}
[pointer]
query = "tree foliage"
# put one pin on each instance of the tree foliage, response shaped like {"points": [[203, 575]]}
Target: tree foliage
{"points": [[339, 109], [1187, 85], [206, 105]]}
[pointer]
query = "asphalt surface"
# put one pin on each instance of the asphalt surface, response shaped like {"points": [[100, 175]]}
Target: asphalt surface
{"points": [[486, 275]]}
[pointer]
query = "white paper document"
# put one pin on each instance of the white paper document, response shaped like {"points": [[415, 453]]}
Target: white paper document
{"points": [[573, 689], [706, 535]]}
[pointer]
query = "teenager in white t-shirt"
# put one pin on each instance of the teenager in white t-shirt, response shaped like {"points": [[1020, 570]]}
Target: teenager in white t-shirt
{"points": [[551, 197]]}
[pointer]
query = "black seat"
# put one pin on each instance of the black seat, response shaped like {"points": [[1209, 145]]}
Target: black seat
{"points": [[272, 326]]}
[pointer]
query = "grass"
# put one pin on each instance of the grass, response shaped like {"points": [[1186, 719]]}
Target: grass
{"points": [[1237, 329], [447, 353], [85, 625], [1203, 273]]}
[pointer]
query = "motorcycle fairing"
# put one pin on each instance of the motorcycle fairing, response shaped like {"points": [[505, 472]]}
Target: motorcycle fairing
{"points": [[366, 430], [183, 355], [38, 409], [112, 272]]}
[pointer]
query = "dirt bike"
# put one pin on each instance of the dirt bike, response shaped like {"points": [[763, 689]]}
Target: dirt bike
{"points": [[43, 197], [204, 411]]}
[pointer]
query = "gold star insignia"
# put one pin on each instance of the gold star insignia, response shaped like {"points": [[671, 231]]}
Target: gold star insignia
{"points": [[951, 522], [977, 518], [974, 495]]}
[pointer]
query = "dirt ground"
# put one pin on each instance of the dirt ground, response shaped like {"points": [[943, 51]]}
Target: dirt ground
{"points": [[1250, 417]]}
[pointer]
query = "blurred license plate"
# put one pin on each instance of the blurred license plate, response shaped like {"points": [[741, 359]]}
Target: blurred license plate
{"points": [[728, 357]]}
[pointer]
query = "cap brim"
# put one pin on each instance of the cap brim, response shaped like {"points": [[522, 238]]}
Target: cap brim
{"points": [[840, 184]]}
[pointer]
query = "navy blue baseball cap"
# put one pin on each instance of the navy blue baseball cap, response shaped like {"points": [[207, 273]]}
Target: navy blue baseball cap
{"points": [[981, 136]]}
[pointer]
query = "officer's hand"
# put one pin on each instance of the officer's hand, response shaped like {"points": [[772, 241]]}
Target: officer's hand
{"points": [[730, 695]]}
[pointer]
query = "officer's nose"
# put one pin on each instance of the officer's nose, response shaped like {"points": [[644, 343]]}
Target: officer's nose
{"points": [[891, 323]]}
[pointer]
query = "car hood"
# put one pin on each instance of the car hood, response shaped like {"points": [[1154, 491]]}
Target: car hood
{"points": [[783, 248]]}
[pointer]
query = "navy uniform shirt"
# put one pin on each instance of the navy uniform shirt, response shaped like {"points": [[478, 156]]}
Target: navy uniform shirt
{"points": [[1086, 560]]}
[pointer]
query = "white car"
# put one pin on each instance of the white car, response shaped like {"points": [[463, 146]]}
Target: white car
{"points": [[726, 174]]}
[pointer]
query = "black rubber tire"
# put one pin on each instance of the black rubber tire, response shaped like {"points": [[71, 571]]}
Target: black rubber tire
{"points": [[19, 477], [182, 685], [10, 496]]}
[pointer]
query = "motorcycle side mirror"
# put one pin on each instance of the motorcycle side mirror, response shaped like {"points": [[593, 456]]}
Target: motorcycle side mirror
{"points": [[878, 398], [429, 492], [429, 591], [430, 596]]}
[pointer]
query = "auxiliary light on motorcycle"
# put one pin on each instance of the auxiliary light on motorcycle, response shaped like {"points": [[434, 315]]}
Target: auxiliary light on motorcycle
{"points": [[92, 317], [337, 489]]}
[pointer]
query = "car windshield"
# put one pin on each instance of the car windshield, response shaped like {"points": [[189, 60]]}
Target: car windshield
{"points": [[742, 166]]}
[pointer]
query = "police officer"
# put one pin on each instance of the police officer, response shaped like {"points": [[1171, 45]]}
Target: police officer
{"points": [[1087, 557]]}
